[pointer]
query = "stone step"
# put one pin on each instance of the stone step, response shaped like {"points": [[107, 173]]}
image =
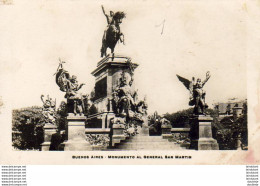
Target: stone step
{"points": [[147, 138], [147, 143], [150, 147]]}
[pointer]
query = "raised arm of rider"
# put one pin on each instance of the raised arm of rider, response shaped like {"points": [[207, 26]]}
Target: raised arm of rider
{"points": [[103, 10]]}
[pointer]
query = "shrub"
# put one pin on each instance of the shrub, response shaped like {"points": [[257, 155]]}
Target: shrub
{"points": [[27, 127]]}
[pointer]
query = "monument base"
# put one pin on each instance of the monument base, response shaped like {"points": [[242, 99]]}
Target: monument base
{"points": [[49, 130], [118, 133], [45, 146], [201, 133], [76, 134], [74, 145], [207, 144]]}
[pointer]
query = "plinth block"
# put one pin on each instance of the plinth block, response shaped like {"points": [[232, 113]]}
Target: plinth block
{"points": [[45, 146], [49, 130], [77, 140], [74, 145], [118, 133], [76, 127], [207, 144], [201, 133], [118, 129]]}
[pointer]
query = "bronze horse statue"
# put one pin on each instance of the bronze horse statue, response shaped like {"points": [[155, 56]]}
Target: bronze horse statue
{"points": [[112, 34]]}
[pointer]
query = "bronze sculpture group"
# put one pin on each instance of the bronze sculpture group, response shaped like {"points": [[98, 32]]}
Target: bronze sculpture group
{"points": [[197, 94], [125, 102], [69, 84], [123, 94]]}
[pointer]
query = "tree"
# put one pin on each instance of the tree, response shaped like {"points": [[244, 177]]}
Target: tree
{"points": [[232, 131], [154, 124], [27, 127], [179, 119]]}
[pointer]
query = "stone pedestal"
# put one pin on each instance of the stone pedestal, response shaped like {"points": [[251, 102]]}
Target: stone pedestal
{"points": [[49, 130], [76, 134], [107, 75], [166, 132], [201, 133], [118, 133]]}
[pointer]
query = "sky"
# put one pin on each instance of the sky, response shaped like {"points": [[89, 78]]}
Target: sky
{"points": [[197, 36]]}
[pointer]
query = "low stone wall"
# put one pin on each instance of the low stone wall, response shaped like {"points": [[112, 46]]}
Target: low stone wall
{"points": [[99, 120], [181, 136], [97, 131], [166, 131], [177, 132]]}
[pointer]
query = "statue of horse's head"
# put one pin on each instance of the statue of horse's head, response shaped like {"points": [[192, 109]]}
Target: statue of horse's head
{"points": [[118, 17]]}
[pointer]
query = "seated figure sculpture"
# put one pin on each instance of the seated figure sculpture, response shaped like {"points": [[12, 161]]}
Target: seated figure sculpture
{"points": [[123, 97], [125, 101]]}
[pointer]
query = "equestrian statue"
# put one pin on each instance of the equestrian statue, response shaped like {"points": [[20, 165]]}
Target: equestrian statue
{"points": [[112, 34]]}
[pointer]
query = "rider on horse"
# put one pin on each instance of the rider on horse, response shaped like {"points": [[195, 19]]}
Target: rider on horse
{"points": [[112, 34], [110, 18]]}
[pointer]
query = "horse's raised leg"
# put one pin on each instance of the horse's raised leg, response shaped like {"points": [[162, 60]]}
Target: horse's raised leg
{"points": [[104, 44], [102, 53], [103, 50], [113, 55]]}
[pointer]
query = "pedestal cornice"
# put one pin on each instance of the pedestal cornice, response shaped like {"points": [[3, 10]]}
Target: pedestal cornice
{"points": [[109, 61]]}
